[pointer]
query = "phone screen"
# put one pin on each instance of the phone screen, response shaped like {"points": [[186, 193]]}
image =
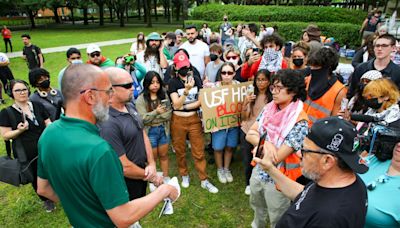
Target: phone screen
{"points": [[260, 145]]}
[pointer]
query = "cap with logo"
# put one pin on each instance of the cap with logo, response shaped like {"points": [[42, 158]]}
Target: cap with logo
{"points": [[337, 136], [93, 48], [181, 60]]}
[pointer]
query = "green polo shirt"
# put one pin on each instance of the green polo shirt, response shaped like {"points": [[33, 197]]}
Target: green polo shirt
{"points": [[83, 170]]}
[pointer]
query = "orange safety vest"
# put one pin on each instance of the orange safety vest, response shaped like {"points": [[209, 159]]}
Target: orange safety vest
{"points": [[291, 165], [323, 106]]}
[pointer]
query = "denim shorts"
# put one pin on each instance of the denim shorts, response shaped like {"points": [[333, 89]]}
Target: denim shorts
{"points": [[157, 136], [226, 137]]}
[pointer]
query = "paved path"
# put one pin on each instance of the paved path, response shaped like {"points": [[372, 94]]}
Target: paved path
{"points": [[79, 46]]}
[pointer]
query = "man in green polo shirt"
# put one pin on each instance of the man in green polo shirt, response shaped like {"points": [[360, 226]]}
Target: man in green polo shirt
{"points": [[80, 169]]}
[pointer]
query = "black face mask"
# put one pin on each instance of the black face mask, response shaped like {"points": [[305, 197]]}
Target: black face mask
{"points": [[213, 57], [183, 71], [298, 62], [373, 103], [171, 44], [225, 19], [45, 84]]}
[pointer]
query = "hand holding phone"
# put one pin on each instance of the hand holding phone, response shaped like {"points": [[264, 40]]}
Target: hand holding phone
{"points": [[259, 153]]}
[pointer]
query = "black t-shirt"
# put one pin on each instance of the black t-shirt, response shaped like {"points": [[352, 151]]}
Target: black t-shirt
{"points": [[30, 137], [317, 206], [52, 103], [32, 56], [124, 132], [177, 85]]}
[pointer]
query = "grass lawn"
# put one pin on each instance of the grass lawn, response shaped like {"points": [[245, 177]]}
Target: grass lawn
{"points": [[62, 35], [20, 207]]}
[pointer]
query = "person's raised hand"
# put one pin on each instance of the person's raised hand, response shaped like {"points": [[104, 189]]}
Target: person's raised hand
{"points": [[161, 109], [265, 163], [23, 126]]}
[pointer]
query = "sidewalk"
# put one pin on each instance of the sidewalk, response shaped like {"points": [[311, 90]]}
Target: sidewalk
{"points": [[79, 46]]}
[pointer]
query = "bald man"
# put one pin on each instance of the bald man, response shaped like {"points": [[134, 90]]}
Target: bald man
{"points": [[79, 168], [124, 130]]}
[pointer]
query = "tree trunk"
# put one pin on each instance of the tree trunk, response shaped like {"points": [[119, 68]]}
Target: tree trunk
{"points": [[147, 4], [155, 9], [169, 11], [101, 11], [178, 11], [85, 16], [121, 17], [138, 8], [72, 15], [396, 6], [145, 13], [185, 5], [386, 4], [127, 11], [31, 18], [56, 17], [110, 8]]}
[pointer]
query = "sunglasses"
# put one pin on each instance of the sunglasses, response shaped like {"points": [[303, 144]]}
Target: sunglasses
{"points": [[382, 45], [95, 54], [303, 151], [231, 57], [227, 72], [126, 86]]}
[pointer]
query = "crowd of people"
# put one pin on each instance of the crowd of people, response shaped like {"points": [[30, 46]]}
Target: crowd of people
{"points": [[115, 121]]}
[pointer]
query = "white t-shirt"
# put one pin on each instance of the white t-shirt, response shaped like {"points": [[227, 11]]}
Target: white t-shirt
{"points": [[150, 64], [197, 52]]}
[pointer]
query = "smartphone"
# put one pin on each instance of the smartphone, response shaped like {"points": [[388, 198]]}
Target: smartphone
{"points": [[250, 90], [343, 104], [190, 75], [260, 147], [164, 103], [255, 50]]}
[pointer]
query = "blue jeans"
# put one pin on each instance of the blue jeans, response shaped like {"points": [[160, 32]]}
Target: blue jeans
{"points": [[157, 136], [226, 137]]}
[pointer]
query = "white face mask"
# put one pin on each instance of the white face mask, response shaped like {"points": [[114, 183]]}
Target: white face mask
{"points": [[77, 61], [233, 61]]}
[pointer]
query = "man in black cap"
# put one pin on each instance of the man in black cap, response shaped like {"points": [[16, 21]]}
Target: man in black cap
{"points": [[336, 197]]}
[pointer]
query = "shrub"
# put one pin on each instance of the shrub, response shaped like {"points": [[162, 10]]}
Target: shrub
{"points": [[344, 33], [213, 12]]}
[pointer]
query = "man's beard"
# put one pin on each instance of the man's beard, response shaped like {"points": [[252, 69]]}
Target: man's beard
{"points": [[314, 176], [153, 50], [100, 112], [192, 40]]}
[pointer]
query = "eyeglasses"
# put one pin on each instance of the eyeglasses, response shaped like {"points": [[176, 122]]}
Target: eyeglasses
{"points": [[95, 54], [20, 91], [231, 57], [109, 91], [276, 88], [227, 72], [303, 151], [382, 45], [261, 80], [126, 85]]}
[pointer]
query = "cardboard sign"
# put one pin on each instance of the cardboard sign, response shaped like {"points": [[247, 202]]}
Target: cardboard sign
{"points": [[222, 106]]}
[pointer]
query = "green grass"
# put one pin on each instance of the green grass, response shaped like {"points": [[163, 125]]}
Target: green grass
{"points": [[20, 207], [61, 35]]}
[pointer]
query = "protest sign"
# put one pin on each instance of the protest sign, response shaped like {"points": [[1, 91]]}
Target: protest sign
{"points": [[222, 106]]}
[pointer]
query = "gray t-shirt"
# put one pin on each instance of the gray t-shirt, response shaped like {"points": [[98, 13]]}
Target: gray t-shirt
{"points": [[212, 70]]}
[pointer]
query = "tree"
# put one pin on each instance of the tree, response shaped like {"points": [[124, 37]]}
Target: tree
{"points": [[54, 5], [100, 4], [147, 10], [31, 7]]}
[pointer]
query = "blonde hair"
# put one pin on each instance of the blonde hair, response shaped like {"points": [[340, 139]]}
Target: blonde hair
{"points": [[383, 88], [231, 49]]}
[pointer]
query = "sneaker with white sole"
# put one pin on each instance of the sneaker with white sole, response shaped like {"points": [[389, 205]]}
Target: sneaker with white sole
{"points": [[185, 181], [228, 175], [221, 176], [247, 191], [49, 206], [210, 187], [166, 179]]}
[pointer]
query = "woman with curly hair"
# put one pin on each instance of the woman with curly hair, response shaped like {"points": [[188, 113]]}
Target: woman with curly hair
{"points": [[283, 125]]}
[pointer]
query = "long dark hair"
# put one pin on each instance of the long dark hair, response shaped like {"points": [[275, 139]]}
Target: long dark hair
{"points": [[268, 94], [149, 52], [146, 92], [219, 78]]}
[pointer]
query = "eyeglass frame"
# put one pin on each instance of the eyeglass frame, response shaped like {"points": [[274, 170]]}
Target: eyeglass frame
{"points": [[125, 86], [279, 88], [109, 91], [20, 91], [320, 151]]}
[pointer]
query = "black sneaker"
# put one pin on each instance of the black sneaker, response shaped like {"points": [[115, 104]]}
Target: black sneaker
{"points": [[49, 206]]}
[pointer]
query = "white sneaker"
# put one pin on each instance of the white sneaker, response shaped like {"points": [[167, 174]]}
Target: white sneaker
{"points": [[185, 181], [221, 176], [210, 187], [166, 180], [247, 191], [228, 175]]}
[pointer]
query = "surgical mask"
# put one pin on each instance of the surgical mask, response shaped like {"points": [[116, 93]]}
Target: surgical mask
{"points": [[213, 57], [233, 61], [45, 84], [183, 71], [373, 103], [298, 62], [77, 61]]}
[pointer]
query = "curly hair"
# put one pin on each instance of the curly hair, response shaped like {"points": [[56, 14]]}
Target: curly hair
{"points": [[326, 57], [293, 81], [273, 38], [35, 74], [383, 87]]}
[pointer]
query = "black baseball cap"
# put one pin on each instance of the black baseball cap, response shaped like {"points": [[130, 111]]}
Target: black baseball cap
{"points": [[337, 136]]}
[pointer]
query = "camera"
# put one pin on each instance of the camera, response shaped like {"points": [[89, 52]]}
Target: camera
{"points": [[129, 58], [380, 141]]}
